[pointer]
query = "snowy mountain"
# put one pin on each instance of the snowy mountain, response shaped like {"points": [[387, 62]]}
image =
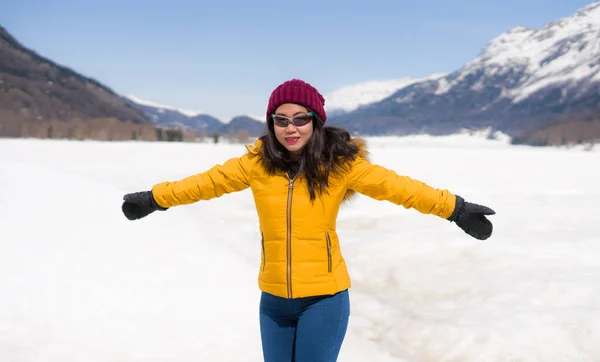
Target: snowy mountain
{"points": [[565, 52], [523, 79], [351, 97], [169, 116], [185, 112], [173, 117]]}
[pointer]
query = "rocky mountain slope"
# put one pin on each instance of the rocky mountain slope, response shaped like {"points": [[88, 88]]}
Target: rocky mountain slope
{"points": [[35, 90]]}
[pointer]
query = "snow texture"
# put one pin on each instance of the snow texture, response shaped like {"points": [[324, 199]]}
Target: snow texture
{"points": [[79, 282]]}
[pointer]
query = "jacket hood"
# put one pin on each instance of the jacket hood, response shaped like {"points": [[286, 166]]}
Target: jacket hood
{"points": [[363, 152]]}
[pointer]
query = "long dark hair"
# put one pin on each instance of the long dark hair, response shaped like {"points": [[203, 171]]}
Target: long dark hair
{"points": [[328, 152]]}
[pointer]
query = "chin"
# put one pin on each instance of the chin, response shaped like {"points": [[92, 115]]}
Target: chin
{"points": [[295, 148]]}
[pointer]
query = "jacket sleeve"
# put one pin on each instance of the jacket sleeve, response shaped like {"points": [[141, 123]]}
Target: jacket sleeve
{"points": [[231, 176], [383, 184]]}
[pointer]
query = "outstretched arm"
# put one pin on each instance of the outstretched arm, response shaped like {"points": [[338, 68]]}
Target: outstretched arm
{"points": [[233, 175], [229, 177], [381, 183]]}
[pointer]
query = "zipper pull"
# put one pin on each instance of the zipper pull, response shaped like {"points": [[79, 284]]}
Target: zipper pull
{"points": [[291, 183]]}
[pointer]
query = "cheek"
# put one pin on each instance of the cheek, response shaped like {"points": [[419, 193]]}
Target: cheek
{"points": [[307, 132], [278, 132]]}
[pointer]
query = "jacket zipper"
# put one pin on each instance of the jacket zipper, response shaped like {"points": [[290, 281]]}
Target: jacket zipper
{"points": [[262, 245], [289, 237], [328, 252]]}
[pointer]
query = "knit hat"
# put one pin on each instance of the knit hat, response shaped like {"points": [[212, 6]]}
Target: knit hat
{"points": [[298, 92]]}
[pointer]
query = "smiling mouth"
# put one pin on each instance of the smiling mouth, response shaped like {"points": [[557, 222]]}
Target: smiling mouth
{"points": [[292, 139]]}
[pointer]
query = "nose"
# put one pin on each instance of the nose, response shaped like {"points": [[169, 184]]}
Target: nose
{"points": [[291, 128]]}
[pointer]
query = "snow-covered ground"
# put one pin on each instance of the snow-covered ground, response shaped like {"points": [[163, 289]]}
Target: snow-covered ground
{"points": [[79, 282]]}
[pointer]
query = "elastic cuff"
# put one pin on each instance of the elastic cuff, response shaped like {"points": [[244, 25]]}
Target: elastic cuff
{"points": [[457, 206], [155, 204]]}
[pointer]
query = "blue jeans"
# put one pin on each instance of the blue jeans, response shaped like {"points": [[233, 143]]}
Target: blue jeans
{"points": [[309, 329]]}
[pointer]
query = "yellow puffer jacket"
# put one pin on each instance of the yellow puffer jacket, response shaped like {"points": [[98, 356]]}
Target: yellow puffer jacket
{"points": [[301, 253]]}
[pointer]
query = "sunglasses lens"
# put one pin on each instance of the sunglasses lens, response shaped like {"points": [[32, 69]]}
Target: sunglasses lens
{"points": [[302, 120], [281, 121]]}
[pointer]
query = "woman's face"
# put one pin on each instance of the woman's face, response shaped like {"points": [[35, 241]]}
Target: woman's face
{"points": [[293, 137]]}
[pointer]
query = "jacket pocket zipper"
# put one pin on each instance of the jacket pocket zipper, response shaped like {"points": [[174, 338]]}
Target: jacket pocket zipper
{"points": [[328, 252], [264, 254]]}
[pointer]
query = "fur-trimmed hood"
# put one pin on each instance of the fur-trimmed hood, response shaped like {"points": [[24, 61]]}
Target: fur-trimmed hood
{"points": [[363, 153]]}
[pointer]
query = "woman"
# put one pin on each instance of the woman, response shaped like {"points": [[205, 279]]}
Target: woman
{"points": [[300, 172]]}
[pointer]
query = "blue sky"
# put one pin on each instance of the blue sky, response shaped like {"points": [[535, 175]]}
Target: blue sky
{"points": [[225, 57]]}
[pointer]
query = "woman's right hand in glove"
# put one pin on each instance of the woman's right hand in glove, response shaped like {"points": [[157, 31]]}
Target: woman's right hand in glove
{"points": [[139, 204]]}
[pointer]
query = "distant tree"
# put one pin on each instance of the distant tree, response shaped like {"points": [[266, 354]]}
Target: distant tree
{"points": [[159, 133], [49, 133], [216, 137], [174, 135], [134, 135]]}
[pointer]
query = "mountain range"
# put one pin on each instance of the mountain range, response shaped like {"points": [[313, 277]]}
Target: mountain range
{"points": [[521, 81], [352, 97], [532, 84], [202, 124], [37, 93]]}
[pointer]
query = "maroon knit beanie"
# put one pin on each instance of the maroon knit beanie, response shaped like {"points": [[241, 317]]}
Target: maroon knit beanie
{"points": [[298, 92]]}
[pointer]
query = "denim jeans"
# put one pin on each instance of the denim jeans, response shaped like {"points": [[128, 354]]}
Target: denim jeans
{"points": [[309, 329]]}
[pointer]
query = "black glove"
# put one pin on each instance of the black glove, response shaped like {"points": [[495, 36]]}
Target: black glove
{"points": [[139, 204], [471, 218]]}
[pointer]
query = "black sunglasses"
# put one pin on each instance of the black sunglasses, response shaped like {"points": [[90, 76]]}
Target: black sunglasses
{"points": [[298, 121]]}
